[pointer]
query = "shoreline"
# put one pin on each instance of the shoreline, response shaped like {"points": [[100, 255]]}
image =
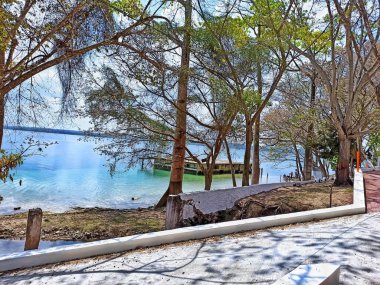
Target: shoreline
{"points": [[89, 224], [86, 224]]}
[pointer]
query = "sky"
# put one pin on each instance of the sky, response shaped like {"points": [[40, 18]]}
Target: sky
{"points": [[50, 86]]}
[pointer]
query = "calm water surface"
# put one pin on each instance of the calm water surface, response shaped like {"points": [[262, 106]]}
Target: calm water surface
{"points": [[71, 174]]}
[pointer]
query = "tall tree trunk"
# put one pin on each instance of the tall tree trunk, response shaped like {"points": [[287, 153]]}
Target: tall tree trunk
{"points": [[2, 96], [2, 115], [322, 167], [256, 153], [308, 162], [208, 178], [343, 171], [179, 146], [256, 135], [247, 152], [232, 167], [298, 163]]}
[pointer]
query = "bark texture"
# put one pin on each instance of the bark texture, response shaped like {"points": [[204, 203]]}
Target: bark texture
{"points": [[179, 147], [247, 153], [343, 167], [256, 153], [2, 96], [233, 177], [179, 144], [308, 161]]}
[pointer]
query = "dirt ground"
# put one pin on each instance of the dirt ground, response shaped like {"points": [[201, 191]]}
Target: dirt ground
{"points": [[97, 223]]}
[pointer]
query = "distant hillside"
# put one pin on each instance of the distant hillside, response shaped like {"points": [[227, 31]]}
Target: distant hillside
{"points": [[54, 131], [239, 145]]}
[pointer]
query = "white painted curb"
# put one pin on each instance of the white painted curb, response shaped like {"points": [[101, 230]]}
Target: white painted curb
{"points": [[78, 251]]}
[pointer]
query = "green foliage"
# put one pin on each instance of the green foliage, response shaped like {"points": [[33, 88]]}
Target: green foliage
{"points": [[11, 160], [6, 23], [120, 112], [227, 104], [374, 141], [116, 102], [327, 144], [374, 146], [252, 100], [8, 162], [132, 8], [225, 37], [269, 16]]}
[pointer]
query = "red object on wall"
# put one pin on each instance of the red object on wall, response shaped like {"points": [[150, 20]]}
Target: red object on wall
{"points": [[357, 161]]}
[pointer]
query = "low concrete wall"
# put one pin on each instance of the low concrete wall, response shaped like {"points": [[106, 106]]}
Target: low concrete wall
{"points": [[206, 206], [78, 251]]}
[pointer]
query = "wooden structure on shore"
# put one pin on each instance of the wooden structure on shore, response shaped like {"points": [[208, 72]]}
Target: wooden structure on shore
{"points": [[192, 167]]}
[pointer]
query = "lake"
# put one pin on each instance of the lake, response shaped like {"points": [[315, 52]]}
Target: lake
{"points": [[71, 174]]}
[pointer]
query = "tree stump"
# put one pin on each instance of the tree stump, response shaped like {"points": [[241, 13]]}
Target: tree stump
{"points": [[173, 212]]}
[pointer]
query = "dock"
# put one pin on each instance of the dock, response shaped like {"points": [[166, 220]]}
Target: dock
{"points": [[192, 167]]}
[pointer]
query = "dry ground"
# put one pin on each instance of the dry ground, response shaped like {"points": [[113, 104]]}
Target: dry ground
{"points": [[97, 223]]}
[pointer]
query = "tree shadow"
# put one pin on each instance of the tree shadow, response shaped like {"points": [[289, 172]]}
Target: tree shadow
{"points": [[253, 258]]}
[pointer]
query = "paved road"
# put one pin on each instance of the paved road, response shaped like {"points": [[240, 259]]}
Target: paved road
{"points": [[372, 189], [249, 258]]}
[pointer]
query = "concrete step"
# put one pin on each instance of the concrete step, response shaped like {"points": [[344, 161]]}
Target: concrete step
{"points": [[312, 274]]}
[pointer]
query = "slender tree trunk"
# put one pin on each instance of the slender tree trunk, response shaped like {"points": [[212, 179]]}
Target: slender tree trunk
{"points": [[2, 115], [343, 171], [2, 96], [298, 162], [215, 153], [179, 146], [256, 153], [256, 143], [327, 167], [208, 178], [322, 167], [232, 167], [247, 152], [308, 162], [352, 166]]}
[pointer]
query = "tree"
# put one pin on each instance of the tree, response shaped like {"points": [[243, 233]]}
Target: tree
{"points": [[179, 144], [349, 78], [274, 25], [286, 123], [224, 51], [37, 35]]}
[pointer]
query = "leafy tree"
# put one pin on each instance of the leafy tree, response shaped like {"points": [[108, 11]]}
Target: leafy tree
{"points": [[37, 35], [349, 76]]}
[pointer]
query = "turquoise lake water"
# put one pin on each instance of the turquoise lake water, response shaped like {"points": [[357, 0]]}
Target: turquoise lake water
{"points": [[71, 174]]}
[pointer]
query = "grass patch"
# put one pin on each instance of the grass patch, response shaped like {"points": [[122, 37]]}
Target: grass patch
{"points": [[98, 223]]}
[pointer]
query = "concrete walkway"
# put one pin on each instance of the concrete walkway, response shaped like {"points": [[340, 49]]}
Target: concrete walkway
{"points": [[249, 258], [372, 190]]}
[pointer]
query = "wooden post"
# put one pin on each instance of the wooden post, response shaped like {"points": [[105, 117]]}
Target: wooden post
{"points": [[173, 212], [357, 161], [33, 229]]}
